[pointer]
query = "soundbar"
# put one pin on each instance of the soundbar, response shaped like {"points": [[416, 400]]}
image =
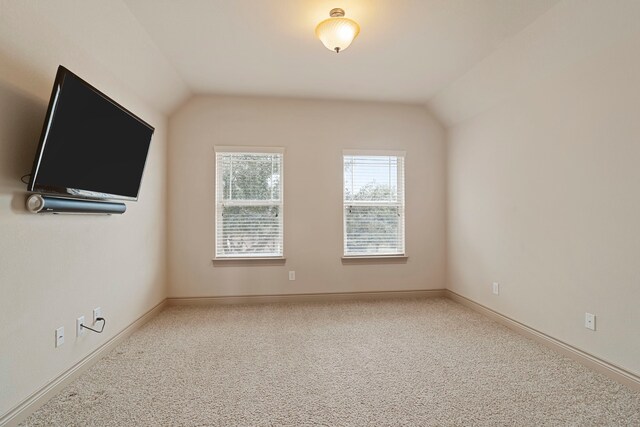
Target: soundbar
{"points": [[38, 203]]}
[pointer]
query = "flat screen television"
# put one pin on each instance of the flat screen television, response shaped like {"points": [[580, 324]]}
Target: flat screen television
{"points": [[90, 146]]}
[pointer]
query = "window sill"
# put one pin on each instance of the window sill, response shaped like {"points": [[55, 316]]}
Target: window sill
{"points": [[379, 259], [248, 261]]}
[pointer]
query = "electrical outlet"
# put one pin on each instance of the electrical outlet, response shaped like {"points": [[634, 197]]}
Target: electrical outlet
{"points": [[590, 321], [59, 336], [97, 312], [292, 275], [496, 288], [79, 328]]}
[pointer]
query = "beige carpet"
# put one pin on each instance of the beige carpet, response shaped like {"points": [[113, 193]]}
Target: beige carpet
{"points": [[381, 363]]}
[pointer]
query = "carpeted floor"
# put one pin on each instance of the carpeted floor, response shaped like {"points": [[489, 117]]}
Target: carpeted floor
{"points": [[377, 363]]}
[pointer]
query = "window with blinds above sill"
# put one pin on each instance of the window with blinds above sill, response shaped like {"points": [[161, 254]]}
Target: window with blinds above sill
{"points": [[374, 203], [249, 202]]}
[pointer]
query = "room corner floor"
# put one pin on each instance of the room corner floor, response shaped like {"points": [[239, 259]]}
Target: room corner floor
{"points": [[399, 362]]}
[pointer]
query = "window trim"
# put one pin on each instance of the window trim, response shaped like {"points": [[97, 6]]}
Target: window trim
{"points": [[354, 258], [258, 259], [374, 259]]}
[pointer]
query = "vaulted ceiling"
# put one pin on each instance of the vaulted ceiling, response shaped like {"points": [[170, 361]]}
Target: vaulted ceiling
{"points": [[407, 50], [458, 57]]}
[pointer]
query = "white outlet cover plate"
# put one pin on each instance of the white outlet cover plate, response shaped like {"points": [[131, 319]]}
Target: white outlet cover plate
{"points": [[496, 288], [590, 321], [79, 329], [292, 275], [97, 312], [59, 336]]}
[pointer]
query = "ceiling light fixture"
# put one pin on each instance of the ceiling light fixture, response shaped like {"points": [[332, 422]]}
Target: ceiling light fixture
{"points": [[337, 32]]}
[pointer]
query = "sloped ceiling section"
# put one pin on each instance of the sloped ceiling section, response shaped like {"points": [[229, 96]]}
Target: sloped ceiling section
{"points": [[458, 57], [407, 51], [38, 35], [566, 34]]}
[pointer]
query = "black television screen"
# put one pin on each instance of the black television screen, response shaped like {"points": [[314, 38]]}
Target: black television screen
{"points": [[90, 146]]}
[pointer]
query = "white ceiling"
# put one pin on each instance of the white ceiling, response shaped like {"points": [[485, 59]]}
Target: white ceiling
{"points": [[458, 57], [407, 51]]}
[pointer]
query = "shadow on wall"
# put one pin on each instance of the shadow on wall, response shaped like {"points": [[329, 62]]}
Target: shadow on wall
{"points": [[21, 118]]}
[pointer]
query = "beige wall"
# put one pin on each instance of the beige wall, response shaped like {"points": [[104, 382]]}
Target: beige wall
{"points": [[544, 198], [314, 134], [54, 268]]}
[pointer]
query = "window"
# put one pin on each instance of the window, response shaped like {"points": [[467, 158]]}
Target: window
{"points": [[249, 202], [373, 203]]}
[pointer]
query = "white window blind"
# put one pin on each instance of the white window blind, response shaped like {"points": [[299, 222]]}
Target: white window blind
{"points": [[373, 204], [249, 204]]}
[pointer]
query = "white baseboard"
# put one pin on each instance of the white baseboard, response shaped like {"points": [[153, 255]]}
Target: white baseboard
{"points": [[29, 405], [336, 296], [608, 369]]}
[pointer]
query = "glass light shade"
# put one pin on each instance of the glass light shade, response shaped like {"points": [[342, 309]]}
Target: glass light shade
{"points": [[337, 33]]}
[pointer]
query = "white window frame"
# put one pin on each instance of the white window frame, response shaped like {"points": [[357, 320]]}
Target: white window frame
{"points": [[218, 201], [400, 203]]}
